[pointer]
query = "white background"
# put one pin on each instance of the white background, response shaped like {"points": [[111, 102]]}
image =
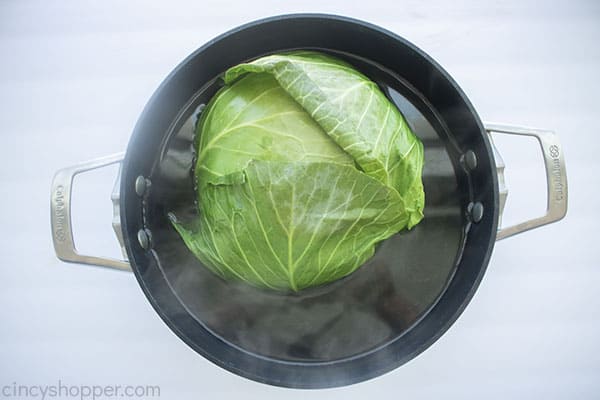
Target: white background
{"points": [[74, 76]]}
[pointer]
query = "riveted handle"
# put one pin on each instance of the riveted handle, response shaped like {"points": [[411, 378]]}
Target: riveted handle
{"points": [[556, 177], [60, 209]]}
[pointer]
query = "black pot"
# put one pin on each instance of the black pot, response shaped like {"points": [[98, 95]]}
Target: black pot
{"points": [[362, 326]]}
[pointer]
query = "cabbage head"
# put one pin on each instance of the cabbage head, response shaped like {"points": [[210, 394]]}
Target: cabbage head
{"points": [[302, 166]]}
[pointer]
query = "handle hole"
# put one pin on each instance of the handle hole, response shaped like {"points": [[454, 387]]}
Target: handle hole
{"points": [[525, 178], [91, 212]]}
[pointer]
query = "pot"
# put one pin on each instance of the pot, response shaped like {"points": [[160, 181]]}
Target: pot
{"points": [[374, 320]]}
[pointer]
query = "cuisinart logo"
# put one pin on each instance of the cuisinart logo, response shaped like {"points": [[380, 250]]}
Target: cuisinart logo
{"points": [[556, 172], [59, 213]]}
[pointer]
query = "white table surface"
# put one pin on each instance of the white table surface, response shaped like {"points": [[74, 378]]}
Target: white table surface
{"points": [[75, 75]]}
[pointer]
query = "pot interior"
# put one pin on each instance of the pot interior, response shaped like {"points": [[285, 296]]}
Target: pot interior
{"points": [[375, 305]]}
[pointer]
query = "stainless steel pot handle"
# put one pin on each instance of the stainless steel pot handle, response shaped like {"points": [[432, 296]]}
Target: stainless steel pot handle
{"points": [[60, 208], [556, 177], [60, 201]]}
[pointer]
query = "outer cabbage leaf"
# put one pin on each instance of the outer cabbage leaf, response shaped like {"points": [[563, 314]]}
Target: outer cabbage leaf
{"points": [[283, 228], [354, 112]]}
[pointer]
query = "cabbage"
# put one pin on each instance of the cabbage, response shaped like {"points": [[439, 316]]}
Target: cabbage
{"points": [[303, 165]]}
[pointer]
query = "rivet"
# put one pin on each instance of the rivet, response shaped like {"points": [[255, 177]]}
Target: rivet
{"points": [[144, 238], [140, 185], [470, 159], [476, 212]]}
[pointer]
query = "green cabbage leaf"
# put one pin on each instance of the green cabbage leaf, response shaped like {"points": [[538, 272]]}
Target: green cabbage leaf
{"points": [[303, 165]]}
